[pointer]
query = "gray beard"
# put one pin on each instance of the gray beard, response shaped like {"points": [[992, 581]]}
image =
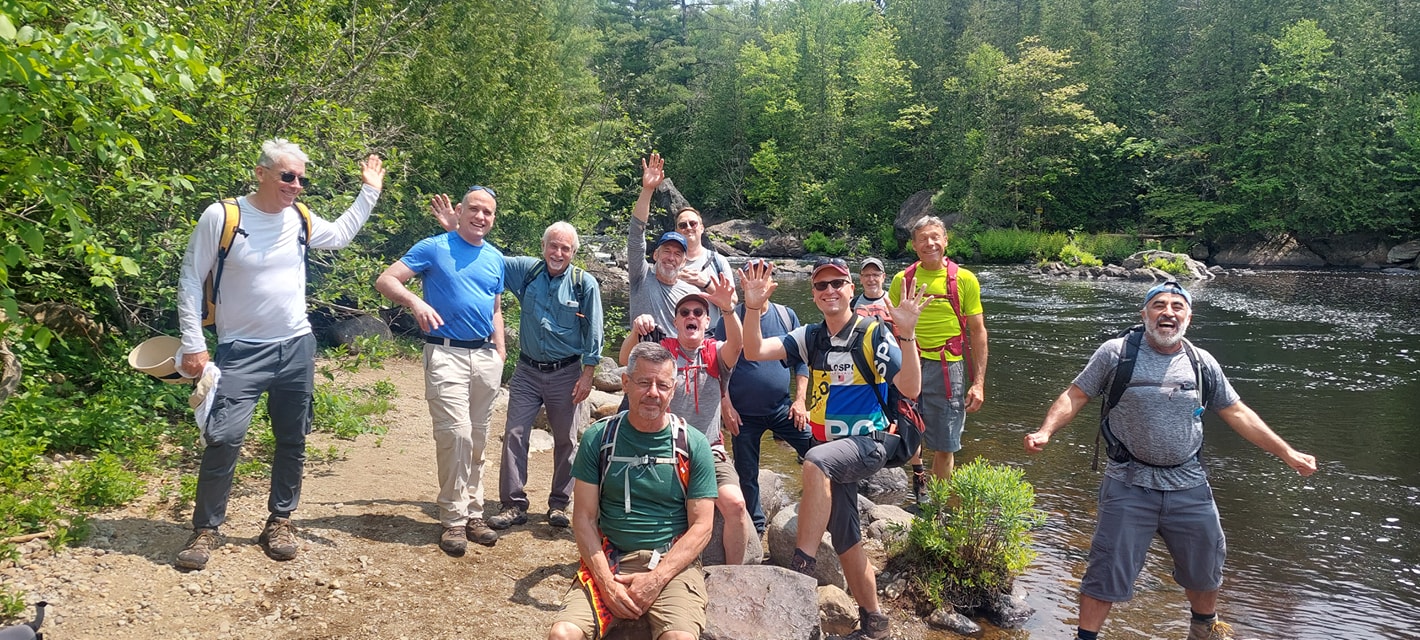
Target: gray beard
{"points": [[1166, 342]]}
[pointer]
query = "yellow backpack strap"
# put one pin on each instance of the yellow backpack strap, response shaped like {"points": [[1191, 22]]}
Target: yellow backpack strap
{"points": [[868, 355], [305, 212], [231, 224]]}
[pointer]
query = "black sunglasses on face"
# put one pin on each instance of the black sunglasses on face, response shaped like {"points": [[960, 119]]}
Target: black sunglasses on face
{"points": [[836, 283], [686, 312], [478, 187], [290, 176]]}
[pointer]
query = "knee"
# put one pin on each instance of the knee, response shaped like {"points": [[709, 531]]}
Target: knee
{"points": [[731, 504], [564, 631]]}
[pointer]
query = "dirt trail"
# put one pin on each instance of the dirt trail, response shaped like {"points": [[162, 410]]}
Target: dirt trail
{"points": [[369, 565]]}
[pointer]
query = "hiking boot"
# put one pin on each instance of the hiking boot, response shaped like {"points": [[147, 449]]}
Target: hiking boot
{"points": [[453, 541], [278, 539], [1214, 630], [479, 532], [919, 485], [199, 548], [558, 518], [508, 517], [873, 626], [804, 563]]}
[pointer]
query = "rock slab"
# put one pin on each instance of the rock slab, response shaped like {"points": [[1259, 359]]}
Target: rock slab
{"points": [[760, 602]]}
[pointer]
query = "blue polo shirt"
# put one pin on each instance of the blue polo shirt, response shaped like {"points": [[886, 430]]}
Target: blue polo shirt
{"points": [[555, 324], [461, 281], [761, 389]]}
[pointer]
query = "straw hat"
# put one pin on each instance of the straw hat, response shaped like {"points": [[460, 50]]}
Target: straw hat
{"points": [[155, 357]]}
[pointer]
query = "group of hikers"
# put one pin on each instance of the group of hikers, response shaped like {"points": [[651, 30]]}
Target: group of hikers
{"points": [[708, 352]]}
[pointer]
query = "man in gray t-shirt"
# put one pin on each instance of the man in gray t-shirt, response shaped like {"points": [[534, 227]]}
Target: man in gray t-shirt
{"points": [[1154, 482], [655, 290]]}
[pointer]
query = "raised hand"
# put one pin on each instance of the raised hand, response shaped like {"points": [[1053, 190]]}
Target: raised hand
{"points": [[693, 277], [905, 313], [758, 283], [721, 291], [644, 324], [653, 171], [372, 171], [443, 209]]}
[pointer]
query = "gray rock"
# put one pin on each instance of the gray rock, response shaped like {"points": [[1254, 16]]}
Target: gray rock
{"points": [[741, 235], [865, 506], [346, 331], [954, 622], [1403, 252], [714, 553], [1257, 250], [612, 279], [783, 530], [772, 496], [915, 207], [726, 250], [780, 246], [764, 602], [1350, 249], [1115, 271], [888, 522], [1396, 271], [888, 485], [607, 376], [837, 611], [1199, 252], [1008, 611], [539, 440]]}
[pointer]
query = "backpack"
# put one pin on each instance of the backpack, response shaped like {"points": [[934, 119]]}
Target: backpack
{"points": [[575, 273], [680, 460], [903, 437], [231, 226], [1123, 373], [876, 310]]}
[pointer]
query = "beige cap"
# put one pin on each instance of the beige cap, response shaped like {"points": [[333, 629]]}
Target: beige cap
{"points": [[155, 357]]}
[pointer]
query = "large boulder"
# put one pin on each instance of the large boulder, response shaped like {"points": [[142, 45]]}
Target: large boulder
{"points": [[1196, 270], [1403, 252], [607, 376], [780, 246], [837, 611], [888, 485], [784, 529], [1350, 249], [612, 279], [350, 329], [772, 496], [714, 552], [915, 207], [1257, 250], [764, 602], [742, 235]]}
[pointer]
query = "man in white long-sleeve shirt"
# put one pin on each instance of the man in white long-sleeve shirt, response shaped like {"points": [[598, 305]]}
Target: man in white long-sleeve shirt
{"points": [[264, 340]]}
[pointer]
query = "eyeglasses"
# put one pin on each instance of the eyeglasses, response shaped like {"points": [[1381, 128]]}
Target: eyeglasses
{"points": [[825, 285], [686, 312], [290, 176], [687, 224], [478, 187]]}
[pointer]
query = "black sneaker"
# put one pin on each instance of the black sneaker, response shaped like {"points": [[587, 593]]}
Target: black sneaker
{"points": [[558, 518], [508, 517], [873, 626], [278, 539], [804, 563], [454, 541], [478, 531], [198, 551]]}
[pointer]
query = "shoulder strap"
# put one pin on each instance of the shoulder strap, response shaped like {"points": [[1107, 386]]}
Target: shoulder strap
{"points": [[1124, 371], [305, 212], [533, 273], [908, 275], [953, 295], [231, 226], [608, 443], [783, 312], [864, 365]]}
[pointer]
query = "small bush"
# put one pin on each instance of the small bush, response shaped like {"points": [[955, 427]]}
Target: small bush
{"points": [[820, 244], [1176, 266], [1109, 247], [1006, 245], [101, 482], [1072, 255], [963, 554], [12, 603], [1050, 245], [887, 241]]}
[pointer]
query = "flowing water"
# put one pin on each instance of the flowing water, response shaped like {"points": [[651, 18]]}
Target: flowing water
{"points": [[1331, 360]]}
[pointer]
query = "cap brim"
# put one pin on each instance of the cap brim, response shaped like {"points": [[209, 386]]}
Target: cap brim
{"points": [[840, 269]]}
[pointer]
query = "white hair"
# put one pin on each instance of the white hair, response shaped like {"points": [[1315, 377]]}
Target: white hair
{"points": [[562, 227], [276, 148], [927, 221]]}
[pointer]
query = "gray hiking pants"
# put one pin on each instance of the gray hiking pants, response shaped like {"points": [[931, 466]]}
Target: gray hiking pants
{"points": [[286, 371], [529, 390]]}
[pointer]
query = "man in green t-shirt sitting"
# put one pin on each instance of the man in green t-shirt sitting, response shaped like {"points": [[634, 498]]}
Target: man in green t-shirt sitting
{"points": [[640, 539]]}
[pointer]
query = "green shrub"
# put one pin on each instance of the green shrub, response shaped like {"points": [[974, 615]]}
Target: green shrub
{"points": [[1072, 255], [12, 603], [1006, 245], [1112, 248], [820, 244], [962, 554], [887, 241], [101, 482], [1175, 266]]}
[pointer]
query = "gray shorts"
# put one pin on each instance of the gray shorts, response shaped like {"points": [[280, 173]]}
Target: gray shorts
{"points": [[846, 461], [944, 417], [1129, 516]]}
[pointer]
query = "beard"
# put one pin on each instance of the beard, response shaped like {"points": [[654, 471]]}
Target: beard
{"points": [[1163, 337]]}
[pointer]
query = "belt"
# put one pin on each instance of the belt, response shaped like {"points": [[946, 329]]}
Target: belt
{"points": [[462, 344], [548, 366]]}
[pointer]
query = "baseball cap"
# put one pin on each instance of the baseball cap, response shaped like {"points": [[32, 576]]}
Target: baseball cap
{"points": [[1171, 286], [671, 236], [873, 262], [836, 264], [694, 297]]}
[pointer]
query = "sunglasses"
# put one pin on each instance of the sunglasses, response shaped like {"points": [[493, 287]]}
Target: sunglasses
{"points": [[686, 312], [290, 176], [478, 187], [837, 262], [687, 224], [825, 285]]}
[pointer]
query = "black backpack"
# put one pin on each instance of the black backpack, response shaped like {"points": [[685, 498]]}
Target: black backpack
{"points": [[1123, 373]]}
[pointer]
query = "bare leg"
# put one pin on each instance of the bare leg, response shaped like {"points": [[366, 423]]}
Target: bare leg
{"points": [[1202, 602], [731, 503], [814, 509], [565, 631], [943, 464], [1093, 612], [859, 575]]}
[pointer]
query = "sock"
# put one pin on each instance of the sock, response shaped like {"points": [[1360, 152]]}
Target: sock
{"points": [[1081, 634], [1203, 619]]}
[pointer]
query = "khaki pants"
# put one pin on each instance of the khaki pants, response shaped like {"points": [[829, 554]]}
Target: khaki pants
{"points": [[460, 386], [680, 607]]}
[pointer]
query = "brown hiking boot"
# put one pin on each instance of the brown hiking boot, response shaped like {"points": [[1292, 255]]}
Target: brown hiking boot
{"points": [[873, 626], [508, 517], [559, 518], [453, 541], [1214, 630], [478, 531], [199, 548], [278, 539]]}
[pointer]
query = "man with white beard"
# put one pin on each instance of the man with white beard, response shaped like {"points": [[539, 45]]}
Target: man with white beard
{"points": [[1158, 385]]}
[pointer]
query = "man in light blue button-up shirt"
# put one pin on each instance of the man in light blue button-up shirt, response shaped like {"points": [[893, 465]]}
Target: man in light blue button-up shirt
{"points": [[560, 337]]}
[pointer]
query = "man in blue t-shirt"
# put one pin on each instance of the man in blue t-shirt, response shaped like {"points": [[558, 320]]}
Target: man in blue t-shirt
{"points": [[845, 415], [760, 393], [462, 320]]}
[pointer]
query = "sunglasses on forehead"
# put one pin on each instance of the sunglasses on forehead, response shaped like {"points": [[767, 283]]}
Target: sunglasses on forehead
{"points": [[479, 187], [290, 176], [837, 262], [825, 285]]}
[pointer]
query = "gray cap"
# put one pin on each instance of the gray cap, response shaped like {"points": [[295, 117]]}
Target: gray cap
{"points": [[872, 261]]}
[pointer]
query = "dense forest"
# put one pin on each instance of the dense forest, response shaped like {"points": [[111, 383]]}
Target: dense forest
{"points": [[122, 120]]}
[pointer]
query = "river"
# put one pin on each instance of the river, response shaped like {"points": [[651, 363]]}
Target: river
{"points": [[1331, 360]]}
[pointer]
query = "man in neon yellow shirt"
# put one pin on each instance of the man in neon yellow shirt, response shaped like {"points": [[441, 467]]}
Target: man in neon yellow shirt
{"points": [[948, 393]]}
